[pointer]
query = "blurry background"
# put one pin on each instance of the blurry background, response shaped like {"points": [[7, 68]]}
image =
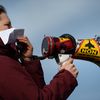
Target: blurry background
{"points": [[80, 18]]}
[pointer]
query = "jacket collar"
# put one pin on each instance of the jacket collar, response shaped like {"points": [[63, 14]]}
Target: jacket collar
{"points": [[8, 50]]}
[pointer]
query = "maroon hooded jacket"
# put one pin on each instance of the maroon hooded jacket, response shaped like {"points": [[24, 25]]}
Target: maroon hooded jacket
{"points": [[26, 82]]}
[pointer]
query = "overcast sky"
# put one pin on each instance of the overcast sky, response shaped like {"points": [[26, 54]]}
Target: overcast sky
{"points": [[80, 18]]}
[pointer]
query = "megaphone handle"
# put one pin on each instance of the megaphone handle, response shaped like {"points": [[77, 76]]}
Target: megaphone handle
{"points": [[61, 58]]}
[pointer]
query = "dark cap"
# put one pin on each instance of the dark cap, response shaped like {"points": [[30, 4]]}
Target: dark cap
{"points": [[2, 9]]}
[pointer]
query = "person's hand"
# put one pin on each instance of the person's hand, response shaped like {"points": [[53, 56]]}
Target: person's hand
{"points": [[27, 54], [69, 66]]}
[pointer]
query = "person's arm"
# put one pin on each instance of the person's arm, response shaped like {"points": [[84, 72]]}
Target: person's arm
{"points": [[61, 85]]}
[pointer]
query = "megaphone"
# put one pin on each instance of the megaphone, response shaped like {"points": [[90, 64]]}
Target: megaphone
{"points": [[66, 44]]}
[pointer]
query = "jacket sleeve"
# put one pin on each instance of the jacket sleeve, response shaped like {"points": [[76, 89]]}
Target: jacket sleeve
{"points": [[35, 70], [59, 88]]}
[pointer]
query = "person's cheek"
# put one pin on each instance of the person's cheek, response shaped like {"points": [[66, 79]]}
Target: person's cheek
{"points": [[3, 27]]}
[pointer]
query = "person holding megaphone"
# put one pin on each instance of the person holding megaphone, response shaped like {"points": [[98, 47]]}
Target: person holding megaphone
{"points": [[24, 80]]}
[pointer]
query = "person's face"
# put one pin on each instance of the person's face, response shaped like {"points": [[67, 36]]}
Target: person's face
{"points": [[4, 22]]}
